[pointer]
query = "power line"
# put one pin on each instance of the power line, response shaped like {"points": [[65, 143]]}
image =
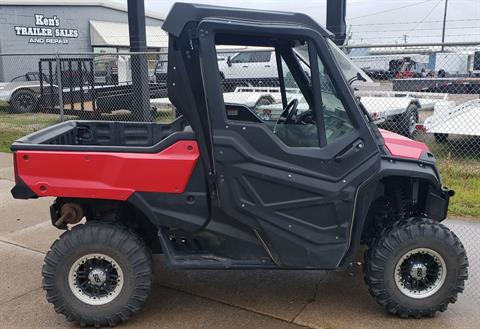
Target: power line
{"points": [[419, 36], [403, 30], [426, 16], [415, 22], [392, 9]]}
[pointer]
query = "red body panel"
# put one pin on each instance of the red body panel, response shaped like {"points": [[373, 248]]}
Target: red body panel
{"points": [[403, 147], [107, 175]]}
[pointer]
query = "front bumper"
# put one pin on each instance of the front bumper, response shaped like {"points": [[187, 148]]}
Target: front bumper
{"points": [[436, 206]]}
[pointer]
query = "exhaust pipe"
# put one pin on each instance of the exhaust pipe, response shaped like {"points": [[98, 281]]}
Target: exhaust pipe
{"points": [[70, 213]]}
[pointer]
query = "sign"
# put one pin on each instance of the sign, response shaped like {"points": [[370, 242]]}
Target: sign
{"points": [[47, 30]]}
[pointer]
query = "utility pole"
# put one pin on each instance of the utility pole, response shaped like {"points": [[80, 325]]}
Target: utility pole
{"points": [[139, 65], [404, 38], [444, 22], [336, 11]]}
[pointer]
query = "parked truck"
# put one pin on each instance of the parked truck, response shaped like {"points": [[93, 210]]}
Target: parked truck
{"points": [[219, 188]]}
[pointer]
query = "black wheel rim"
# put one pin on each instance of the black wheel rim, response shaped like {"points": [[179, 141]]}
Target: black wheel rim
{"points": [[25, 101], [96, 279], [420, 273]]}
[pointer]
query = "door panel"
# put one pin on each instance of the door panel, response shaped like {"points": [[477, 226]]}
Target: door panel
{"points": [[298, 200], [303, 218]]}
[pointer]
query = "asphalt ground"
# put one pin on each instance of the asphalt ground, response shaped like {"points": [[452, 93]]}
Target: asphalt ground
{"points": [[212, 299]]}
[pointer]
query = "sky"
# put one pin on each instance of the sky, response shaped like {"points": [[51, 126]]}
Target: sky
{"points": [[375, 21]]}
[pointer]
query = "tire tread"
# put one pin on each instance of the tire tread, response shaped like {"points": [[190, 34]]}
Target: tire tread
{"points": [[376, 257], [76, 237]]}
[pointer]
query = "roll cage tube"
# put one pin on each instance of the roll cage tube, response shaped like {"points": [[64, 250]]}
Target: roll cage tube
{"points": [[317, 95]]}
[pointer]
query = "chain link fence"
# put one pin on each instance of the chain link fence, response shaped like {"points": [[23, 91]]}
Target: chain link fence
{"points": [[429, 92], [426, 91]]}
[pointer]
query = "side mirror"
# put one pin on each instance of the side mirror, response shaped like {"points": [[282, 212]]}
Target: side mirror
{"points": [[229, 61]]}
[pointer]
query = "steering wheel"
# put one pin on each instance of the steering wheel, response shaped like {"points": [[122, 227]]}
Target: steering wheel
{"points": [[289, 112]]}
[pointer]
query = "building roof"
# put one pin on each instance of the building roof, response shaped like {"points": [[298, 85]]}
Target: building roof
{"points": [[117, 35], [89, 3]]}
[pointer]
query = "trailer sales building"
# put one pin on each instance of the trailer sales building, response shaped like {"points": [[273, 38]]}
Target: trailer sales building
{"points": [[30, 28]]}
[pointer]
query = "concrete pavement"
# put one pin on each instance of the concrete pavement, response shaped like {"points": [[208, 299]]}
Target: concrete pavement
{"points": [[211, 299]]}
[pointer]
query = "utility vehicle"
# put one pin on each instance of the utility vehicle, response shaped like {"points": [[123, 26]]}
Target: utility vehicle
{"points": [[218, 188]]}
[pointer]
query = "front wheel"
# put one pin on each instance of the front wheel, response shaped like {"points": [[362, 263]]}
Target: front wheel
{"points": [[24, 101], [416, 268], [97, 274]]}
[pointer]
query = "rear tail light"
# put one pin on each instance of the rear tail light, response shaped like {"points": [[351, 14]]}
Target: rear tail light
{"points": [[15, 167]]}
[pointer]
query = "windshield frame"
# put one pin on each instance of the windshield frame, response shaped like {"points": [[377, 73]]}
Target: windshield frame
{"points": [[341, 59]]}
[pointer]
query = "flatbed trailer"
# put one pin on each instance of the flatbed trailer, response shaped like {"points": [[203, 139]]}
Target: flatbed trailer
{"points": [[80, 91], [451, 85], [461, 120]]}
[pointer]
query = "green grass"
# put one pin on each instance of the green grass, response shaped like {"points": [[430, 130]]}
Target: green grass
{"points": [[6, 139], [14, 126], [462, 176]]}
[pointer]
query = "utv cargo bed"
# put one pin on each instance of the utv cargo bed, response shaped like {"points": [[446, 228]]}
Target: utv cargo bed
{"points": [[106, 136], [106, 160]]}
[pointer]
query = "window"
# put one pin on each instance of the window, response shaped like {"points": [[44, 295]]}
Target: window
{"points": [[337, 122], [296, 126], [258, 99], [242, 58], [280, 97], [252, 57], [260, 56]]}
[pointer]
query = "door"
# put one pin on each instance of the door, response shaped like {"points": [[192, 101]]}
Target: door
{"points": [[292, 177]]}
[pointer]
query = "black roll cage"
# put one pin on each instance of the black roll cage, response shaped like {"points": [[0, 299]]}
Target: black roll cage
{"points": [[193, 32]]}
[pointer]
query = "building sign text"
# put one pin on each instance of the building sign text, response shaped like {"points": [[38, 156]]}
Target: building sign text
{"points": [[46, 30]]}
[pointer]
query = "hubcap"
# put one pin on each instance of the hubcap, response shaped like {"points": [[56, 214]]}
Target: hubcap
{"points": [[95, 279], [420, 273], [25, 101]]}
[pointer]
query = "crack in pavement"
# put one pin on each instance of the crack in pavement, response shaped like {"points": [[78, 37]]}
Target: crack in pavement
{"points": [[21, 246], [233, 305], [309, 301], [19, 296]]}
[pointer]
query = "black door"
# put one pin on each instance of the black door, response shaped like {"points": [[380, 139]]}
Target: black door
{"points": [[289, 169]]}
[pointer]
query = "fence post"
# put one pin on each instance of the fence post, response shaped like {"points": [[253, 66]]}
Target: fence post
{"points": [[59, 85]]}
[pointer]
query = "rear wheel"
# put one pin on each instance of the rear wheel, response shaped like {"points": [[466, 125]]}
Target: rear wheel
{"points": [[97, 274], [416, 268], [24, 101]]}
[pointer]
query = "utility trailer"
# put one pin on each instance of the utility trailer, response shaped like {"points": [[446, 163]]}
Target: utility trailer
{"points": [[213, 190], [81, 89], [461, 120], [450, 85]]}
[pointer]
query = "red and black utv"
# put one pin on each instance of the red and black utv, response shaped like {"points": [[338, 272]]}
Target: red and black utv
{"points": [[221, 188]]}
